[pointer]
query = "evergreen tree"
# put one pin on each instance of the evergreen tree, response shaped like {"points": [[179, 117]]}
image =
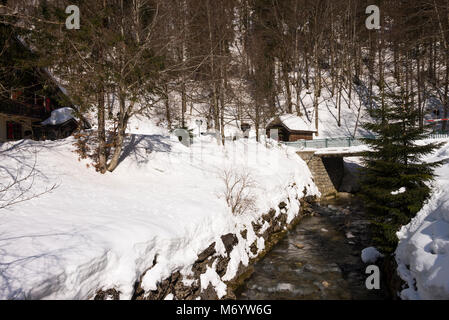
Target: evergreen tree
{"points": [[395, 183]]}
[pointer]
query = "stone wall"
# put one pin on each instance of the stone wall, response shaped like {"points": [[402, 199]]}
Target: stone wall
{"points": [[175, 285], [320, 173]]}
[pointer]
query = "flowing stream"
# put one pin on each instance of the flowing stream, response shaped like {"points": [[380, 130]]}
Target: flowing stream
{"points": [[319, 259]]}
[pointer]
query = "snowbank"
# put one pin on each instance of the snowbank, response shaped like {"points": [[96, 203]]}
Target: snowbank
{"points": [[423, 251], [103, 231]]}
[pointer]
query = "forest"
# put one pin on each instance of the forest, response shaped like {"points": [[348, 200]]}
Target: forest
{"points": [[104, 202], [233, 60]]}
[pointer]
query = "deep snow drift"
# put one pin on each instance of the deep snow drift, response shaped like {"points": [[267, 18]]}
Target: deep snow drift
{"points": [[423, 251], [103, 231]]}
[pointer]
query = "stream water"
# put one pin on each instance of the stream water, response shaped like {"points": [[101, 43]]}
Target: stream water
{"points": [[319, 259]]}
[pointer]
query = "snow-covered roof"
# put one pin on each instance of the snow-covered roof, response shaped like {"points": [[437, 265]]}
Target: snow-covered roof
{"points": [[294, 123], [59, 116]]}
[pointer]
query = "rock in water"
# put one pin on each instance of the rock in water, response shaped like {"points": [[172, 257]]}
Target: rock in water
{"points": [[299, 246], [349, 235], [370, 255]]}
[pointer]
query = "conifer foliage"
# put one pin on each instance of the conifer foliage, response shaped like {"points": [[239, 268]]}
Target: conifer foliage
{"points": [[396, 181]]}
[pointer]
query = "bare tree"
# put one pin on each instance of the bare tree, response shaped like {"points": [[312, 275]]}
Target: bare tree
{"points": [[238, 191], [19, 188]]}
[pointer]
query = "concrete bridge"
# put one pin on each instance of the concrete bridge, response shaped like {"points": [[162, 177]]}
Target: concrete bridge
{"points": [[327, 167]]}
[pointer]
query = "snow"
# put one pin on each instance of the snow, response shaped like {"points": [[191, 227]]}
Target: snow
{"points": [[238, 254], [349, 235], [340, 150], [353, 111], [370, 255], [211, 277], [296, 123], [169, 296], [59, 116], [399, 191], [285, 287], [423, 251], [161, 204]]}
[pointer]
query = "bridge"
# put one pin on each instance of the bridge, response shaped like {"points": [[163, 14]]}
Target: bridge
{"points": [[325, 158], [346, 142], [327, 167]]}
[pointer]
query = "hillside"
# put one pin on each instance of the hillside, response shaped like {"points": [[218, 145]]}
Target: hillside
{"points": [[164, 202]]}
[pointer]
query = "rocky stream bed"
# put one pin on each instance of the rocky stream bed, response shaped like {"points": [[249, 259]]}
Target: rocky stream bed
{"points": [[318, 259]]}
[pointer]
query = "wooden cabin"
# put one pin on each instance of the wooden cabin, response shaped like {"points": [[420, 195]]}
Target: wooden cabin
{"points": [[28, 95], [291, 128]]}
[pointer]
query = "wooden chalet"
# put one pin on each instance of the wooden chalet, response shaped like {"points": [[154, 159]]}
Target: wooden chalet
{"points": [[291, 128], [28, 95]]}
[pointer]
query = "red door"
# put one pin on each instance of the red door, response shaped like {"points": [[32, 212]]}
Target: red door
{"points": [[13, 130], [9, 131], [47, 104]]}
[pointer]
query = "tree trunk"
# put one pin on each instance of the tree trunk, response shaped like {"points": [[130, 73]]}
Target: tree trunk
{"points": [[339, 93], [183, 103], [102, 158], [120, 136], [287, 89], [257, 120], [317, 89], [446, 93], [167, 107]]}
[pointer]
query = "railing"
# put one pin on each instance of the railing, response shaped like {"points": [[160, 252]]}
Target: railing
{"points": [[438, 135], [22, 109], [326, 143], [345, 141]]}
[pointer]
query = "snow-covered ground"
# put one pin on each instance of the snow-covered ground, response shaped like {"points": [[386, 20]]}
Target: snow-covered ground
{"points": [[103, 231], [423, 251]]}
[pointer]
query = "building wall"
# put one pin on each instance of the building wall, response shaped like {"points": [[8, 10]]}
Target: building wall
{"points": [[26, 126], [286, 135], [282, 132], [301, 136], [322, 175], [2, 129]]}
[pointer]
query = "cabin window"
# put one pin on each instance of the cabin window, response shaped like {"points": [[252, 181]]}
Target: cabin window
{"points": [[13, 130]]}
